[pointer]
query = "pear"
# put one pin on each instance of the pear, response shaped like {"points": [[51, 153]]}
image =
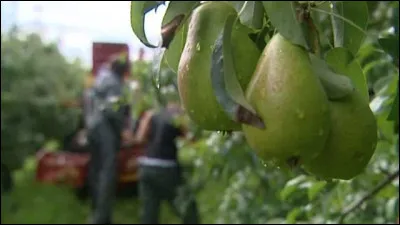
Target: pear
{"points": [[351, 142], [194, 71], [287, 95]]}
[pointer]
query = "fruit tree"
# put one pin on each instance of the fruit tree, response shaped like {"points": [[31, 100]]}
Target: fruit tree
{"points": [[305, 88]]}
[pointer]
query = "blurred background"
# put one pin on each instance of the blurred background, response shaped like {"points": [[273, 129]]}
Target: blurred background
{"points": [[74, 26], [48, 52]]}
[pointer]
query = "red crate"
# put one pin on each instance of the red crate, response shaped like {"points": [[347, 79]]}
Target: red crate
{"points": [[102, 51], [71, 168]]}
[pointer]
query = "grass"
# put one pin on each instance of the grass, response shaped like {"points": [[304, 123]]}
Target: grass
{"points": [[31, 202]]}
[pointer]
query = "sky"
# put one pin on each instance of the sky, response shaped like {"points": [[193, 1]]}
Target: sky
{"points": [[75, 25]]}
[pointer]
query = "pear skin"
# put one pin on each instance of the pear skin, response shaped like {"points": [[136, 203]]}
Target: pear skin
{"points": [[194, 70], [289, 98], [351, 142]]}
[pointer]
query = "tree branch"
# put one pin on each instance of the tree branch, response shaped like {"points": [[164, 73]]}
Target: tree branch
{"points": [[371, 194]]}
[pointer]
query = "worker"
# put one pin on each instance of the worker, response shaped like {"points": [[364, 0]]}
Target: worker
{"points": [[76, 141], [105, 120], [160, 174]]}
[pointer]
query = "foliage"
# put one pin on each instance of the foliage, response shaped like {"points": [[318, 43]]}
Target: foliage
{"points": [[255, 193], [157, 85], [35, 80]]}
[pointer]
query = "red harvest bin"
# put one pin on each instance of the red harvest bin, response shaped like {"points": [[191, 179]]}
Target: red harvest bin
{"points": [[71, 168]]}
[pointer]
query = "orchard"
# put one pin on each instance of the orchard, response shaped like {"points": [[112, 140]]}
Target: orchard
{"points": [[294, 106]]}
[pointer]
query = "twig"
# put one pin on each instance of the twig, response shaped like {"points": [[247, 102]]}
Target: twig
{"points": [[371, 194]]}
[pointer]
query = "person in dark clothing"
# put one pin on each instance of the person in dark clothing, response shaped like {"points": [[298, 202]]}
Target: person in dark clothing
{"points": [[160, 174], [104, 120]]}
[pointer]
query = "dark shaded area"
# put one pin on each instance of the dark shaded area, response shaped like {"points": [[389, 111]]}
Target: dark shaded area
{"points": [[7, 182], [371, 93], [259, 38]]}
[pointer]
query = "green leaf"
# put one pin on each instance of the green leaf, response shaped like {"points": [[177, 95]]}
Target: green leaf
{"points": [[174, 51], [315, 189], [160, 65], [176, 8], [291, 186], [287, 191], [252, 14], [225, 84], [336, 86], [386, 131], [138, 12], [292, 215], [283, 17], [176, 15], [337, 24], [237, 4], [342, 62], [391, 46], [349, 33]]}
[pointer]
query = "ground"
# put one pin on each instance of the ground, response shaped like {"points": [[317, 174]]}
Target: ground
{"points": [[35, 203]]}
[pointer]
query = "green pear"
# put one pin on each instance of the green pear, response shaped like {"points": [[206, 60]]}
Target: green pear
{"points": [[287, 95], [351, 142], [194, 71]]}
